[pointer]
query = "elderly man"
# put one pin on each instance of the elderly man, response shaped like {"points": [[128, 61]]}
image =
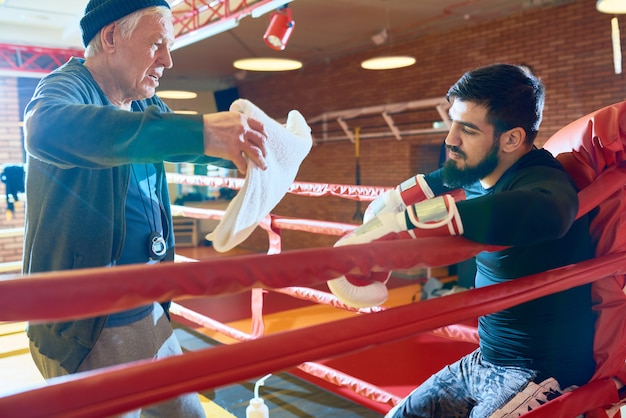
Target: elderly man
{"points": [[96, 136]]}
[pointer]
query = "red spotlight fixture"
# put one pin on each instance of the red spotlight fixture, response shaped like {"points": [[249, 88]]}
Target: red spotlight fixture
{"points": [[280, 28]]}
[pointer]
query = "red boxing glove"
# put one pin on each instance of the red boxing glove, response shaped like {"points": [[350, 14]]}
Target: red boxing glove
{"points": [[410, 191], [435, 217]]}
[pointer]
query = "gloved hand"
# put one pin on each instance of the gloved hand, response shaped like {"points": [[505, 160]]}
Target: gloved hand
{"points": [[379, 227], [410, 191], [434, 217]]}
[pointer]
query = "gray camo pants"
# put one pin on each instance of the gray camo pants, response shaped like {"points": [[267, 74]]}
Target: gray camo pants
{"points": [[471, 387]]}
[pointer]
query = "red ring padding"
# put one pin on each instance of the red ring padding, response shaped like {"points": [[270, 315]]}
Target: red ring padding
{"points": [[593, 151]]}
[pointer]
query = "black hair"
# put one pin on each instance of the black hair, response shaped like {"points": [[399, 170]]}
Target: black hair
{"points": [[514, 97]]}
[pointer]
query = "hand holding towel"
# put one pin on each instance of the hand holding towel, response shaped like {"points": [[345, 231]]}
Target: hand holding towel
{"points": [[286, 147]]}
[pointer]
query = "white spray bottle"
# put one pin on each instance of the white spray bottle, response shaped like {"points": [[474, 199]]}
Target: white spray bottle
{"points": [[257, 407]]}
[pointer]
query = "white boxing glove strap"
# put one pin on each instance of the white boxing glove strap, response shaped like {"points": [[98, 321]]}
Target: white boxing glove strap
{"points": [[436, 213], [415, 190], [380, 226]]}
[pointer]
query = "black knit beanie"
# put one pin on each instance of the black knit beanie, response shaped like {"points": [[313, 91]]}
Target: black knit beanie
{"points": [[100, 13]]}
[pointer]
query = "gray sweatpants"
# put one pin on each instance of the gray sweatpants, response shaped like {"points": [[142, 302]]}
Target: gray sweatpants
{"points": [[151, 337]]}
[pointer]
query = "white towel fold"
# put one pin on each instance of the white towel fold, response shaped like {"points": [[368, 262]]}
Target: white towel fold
{"points": [[286, 148]]}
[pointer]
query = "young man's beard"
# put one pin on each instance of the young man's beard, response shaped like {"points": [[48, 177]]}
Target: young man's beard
{"points": [[455, 177]]}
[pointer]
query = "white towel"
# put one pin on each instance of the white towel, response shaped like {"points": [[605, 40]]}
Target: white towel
{"points": [[286, 147]]}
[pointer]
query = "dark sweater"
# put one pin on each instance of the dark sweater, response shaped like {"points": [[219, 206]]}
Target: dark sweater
{"points": [[532, 208]]}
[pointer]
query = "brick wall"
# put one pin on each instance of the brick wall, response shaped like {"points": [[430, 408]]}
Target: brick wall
{"points": [[11, 152], [568, 46]]}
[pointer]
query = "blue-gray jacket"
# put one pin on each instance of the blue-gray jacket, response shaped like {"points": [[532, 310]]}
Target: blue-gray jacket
{"points": [[79, 149]]}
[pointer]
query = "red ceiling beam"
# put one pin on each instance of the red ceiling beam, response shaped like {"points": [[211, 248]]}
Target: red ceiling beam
{"points": [[189, 16], [33, 61]]}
